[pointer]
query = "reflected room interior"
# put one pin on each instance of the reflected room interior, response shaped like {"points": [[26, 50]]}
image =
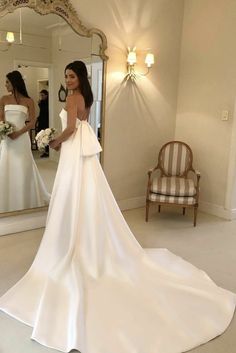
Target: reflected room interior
{"points": [[40, 47]]}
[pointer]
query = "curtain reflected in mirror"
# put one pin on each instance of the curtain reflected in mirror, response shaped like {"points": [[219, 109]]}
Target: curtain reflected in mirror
{"points": [[42, 47]]}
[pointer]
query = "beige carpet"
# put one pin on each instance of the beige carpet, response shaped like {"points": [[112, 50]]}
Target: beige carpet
{"points": [[210, 246], [47, 169]]}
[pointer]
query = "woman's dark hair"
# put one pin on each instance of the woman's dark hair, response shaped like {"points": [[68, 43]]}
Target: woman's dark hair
{"points": [[44, 91], [80, 70], [18, 83]]}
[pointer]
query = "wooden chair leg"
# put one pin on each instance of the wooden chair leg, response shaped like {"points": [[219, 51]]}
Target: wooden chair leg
{"points": [[184, 208], [159, 208], [195, 217], [147, 210]]}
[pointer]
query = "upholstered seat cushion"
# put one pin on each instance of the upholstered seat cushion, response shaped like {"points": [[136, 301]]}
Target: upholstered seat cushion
{"points": [[173, 186], [181, 200]]}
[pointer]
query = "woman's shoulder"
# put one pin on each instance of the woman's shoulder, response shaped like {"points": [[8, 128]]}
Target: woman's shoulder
{"points": [[28, 100], [75, 100], [5, 99]]}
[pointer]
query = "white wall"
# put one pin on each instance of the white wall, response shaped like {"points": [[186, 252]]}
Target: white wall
{"points": [[139, 117], [26, 53], [207, 86]]}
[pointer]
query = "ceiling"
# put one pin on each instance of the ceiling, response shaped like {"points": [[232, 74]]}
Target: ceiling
{"points": [[32, 22]]}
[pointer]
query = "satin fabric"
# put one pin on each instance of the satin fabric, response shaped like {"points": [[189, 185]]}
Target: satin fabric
{"points": [[20, 182], [93, 288]]}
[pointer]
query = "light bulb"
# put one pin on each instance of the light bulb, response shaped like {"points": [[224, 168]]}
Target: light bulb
{"points": [[10, 37], [131, 59], [149, 60]]}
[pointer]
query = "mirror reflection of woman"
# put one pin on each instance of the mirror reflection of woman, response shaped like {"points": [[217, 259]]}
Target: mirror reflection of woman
{"points": [[91, 286], [20, 182]]}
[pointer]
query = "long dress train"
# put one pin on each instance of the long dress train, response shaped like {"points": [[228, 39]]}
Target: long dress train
{"points": [[20, 182], [93, 288]]}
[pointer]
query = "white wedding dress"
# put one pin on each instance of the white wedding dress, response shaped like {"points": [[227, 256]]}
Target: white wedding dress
{"points": [[20, 182], [93, 288]]}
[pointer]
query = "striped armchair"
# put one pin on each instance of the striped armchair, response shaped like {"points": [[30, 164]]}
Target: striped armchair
{"points": [[172, 185]]}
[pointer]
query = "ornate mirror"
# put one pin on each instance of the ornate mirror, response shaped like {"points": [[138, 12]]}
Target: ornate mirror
{"points": [[38, 38]]}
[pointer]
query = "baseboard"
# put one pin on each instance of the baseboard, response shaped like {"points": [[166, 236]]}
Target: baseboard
{"points": [[205, 207], [135, 202], [216, 210], [21, 223], [24, 222], [233, 213]]}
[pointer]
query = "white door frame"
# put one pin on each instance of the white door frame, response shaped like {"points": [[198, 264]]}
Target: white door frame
{"points": [[230, 204]]}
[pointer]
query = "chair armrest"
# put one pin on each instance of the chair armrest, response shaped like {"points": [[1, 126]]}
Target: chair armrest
{"points": [[149, 178], [198, 175], [196, 172], [151, 171]]}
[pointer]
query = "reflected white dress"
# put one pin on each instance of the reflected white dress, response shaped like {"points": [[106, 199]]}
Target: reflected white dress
{"points": [[21, 185], [93, 288]]}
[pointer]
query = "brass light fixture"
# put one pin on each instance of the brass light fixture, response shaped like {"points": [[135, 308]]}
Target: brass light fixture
{"points": [[132, 74]]}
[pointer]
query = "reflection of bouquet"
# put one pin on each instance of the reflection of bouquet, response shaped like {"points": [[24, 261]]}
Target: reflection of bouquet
{"points": [[6, 128], [44, 137]]}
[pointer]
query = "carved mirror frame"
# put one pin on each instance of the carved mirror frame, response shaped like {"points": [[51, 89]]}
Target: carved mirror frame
{"points": [[64, 9]]}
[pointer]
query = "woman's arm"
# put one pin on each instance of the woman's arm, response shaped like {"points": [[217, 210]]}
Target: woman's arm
{"points": [[74, 104], [29, 125], [2, 109]]}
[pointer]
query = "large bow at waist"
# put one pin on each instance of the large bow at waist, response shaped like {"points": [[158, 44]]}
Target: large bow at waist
{"points": [[89, 142]]}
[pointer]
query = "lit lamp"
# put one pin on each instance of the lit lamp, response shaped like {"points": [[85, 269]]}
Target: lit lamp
{"points": [[132, 60], [10, 38], [149, 60]]}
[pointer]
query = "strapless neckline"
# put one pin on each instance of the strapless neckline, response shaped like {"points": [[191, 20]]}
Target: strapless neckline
{"points": [[20, 107]]}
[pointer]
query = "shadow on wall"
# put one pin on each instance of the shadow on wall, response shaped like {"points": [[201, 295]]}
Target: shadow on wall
{"points": [[135, 18], [139, 97]]}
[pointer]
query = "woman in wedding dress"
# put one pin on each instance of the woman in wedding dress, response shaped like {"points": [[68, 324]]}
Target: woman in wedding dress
{"points": [[20, 182], [91, 286]]}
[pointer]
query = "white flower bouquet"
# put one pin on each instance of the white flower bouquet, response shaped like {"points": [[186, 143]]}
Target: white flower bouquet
{"points": [[44, 137], [6, 128]]}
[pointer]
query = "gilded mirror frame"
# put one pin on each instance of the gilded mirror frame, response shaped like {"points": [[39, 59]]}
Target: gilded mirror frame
{"points": [[65, 10]]}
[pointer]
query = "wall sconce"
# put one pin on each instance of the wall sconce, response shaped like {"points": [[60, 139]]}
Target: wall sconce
{"points": [[132, 60], [10, 38]]}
